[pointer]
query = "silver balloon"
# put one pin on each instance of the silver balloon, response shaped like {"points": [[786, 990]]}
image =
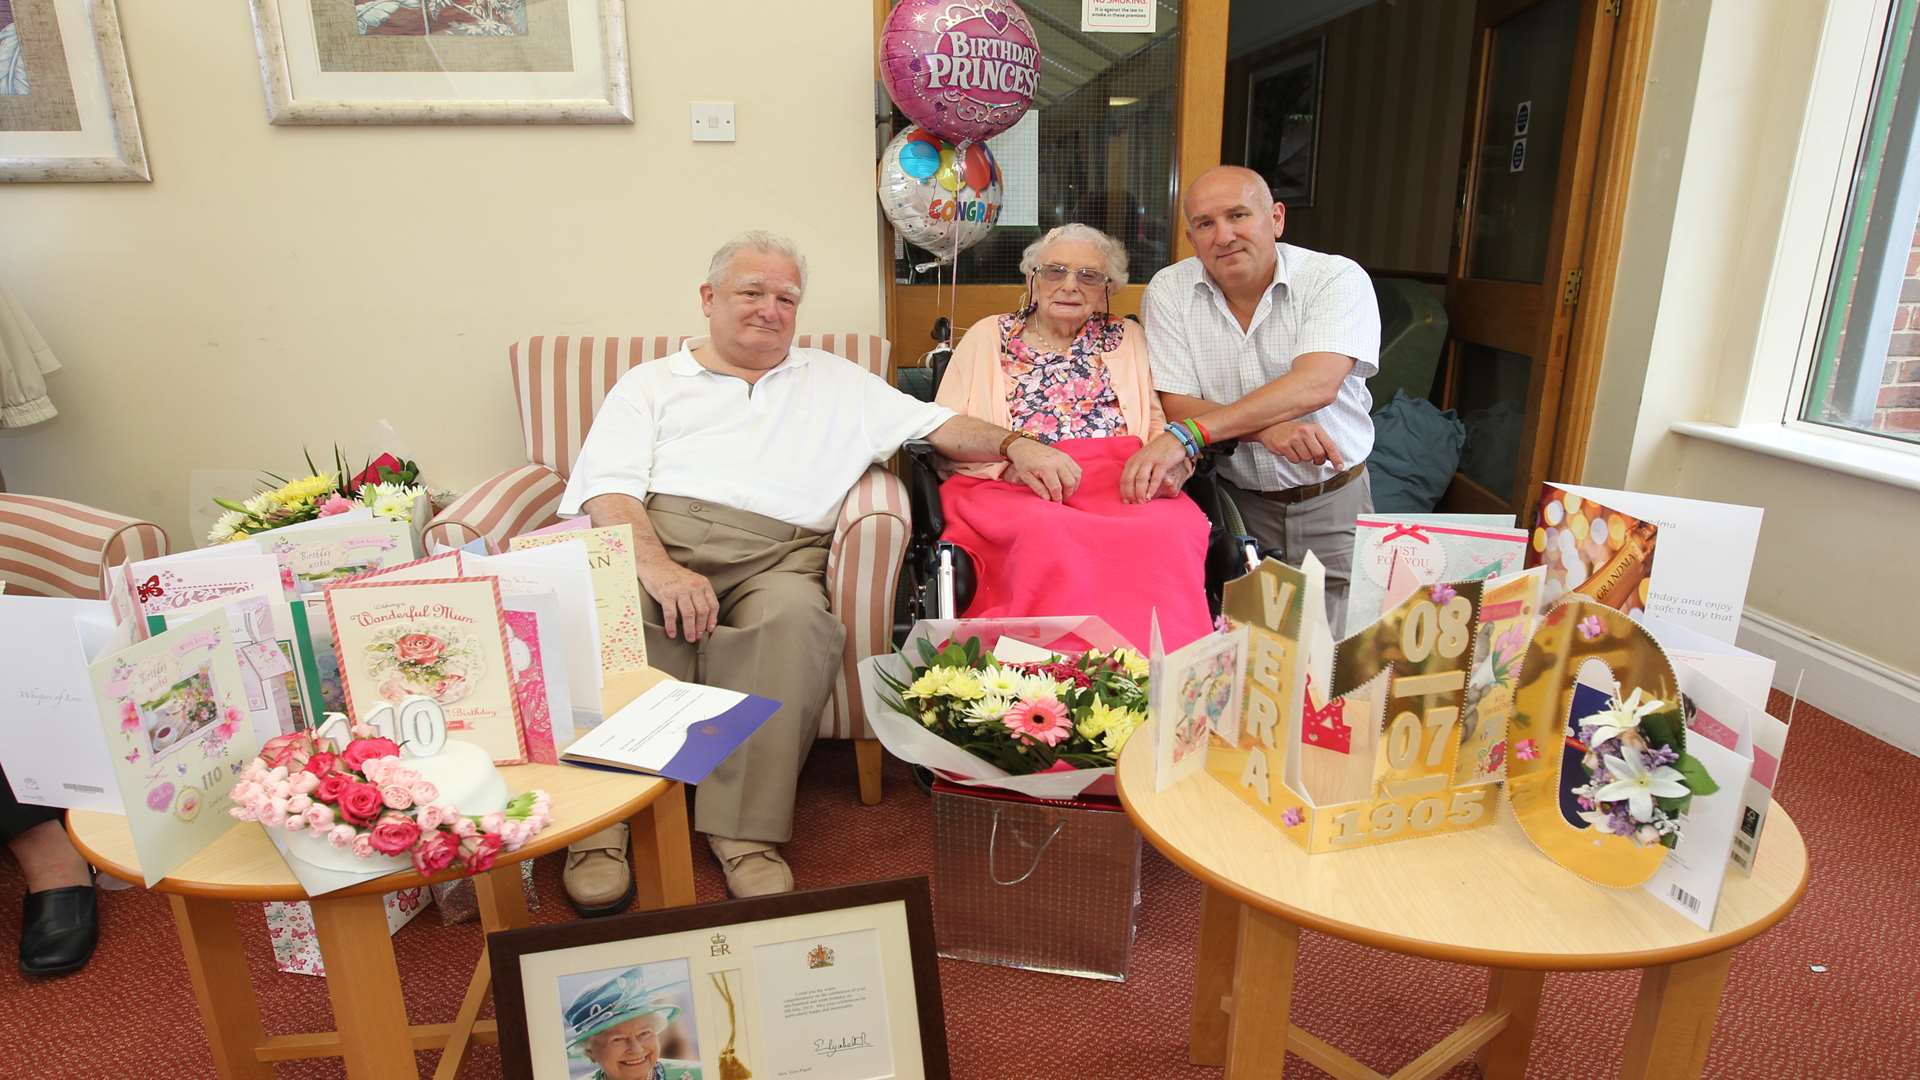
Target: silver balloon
{"points": [[940, 197]]}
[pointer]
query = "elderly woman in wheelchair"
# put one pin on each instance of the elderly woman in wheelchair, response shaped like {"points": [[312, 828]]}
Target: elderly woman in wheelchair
{"points": [[1080, 539]]}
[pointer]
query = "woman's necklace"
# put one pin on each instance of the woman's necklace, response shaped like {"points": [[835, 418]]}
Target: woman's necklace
{"points": [[1037, 336]]}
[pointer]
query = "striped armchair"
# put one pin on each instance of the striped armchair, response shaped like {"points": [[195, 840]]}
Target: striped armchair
{"points": [[52, 547], [560, 382]]}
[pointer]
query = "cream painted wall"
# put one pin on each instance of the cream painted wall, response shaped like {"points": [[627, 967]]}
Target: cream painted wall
{"points": [[1690, 324], [276, 288]]}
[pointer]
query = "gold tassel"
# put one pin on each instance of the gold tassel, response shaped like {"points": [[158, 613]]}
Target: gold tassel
{"points": [[731, 1067]]}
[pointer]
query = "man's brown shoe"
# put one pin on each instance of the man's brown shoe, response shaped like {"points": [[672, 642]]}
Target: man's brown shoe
{"points": [[598, 877], [753, 867]]}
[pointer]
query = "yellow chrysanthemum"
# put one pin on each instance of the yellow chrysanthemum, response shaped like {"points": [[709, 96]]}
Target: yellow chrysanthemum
{"points": [[1098, 719], [1125, 723], [931, 684], [1133, 662], [305, 490], [964, 686]]}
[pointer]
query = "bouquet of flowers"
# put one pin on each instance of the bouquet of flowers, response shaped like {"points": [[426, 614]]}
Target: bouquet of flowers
{"points": [[1046, 716], [363, 797], [1640, 778], [387, 486]]}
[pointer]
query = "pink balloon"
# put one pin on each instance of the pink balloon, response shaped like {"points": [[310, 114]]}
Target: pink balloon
{"points": [[965, 70]]}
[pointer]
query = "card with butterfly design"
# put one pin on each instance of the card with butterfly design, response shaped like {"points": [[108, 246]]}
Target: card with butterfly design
{"points": [[172, 708]]}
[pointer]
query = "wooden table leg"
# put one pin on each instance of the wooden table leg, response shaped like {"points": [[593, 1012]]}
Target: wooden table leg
{"points": [[1262, 996], [1213, 978], [211, 941], [502, 898], [1673, 1019], [662, 852], [1517, 993], [364, 983]]}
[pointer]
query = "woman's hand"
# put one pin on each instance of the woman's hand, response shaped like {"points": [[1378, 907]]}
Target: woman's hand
{"points": [[1156, 469], [1047, 472]]}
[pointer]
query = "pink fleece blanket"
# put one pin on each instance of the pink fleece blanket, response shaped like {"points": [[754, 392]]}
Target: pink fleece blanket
{"points": [[1091, 555]]}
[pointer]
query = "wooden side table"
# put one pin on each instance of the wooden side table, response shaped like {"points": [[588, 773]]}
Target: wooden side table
{"points": [[363, 979], [1486, 897]]}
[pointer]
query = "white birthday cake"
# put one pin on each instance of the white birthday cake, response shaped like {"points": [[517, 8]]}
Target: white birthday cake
{"points": [[466, 780]]}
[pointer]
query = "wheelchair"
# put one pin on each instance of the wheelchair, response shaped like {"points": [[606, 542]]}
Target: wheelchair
{"points": [[939, 580]]}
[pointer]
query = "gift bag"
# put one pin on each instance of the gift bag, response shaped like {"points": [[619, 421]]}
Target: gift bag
{"points": [[1046, 885], [458, 903], [296, 948]]}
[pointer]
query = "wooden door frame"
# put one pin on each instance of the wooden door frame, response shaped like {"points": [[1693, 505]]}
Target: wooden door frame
{"points": [[1584, 322], [1200, 98]]}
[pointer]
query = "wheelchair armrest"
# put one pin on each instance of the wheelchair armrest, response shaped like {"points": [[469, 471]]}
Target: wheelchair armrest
{"points": [[923, 491]]}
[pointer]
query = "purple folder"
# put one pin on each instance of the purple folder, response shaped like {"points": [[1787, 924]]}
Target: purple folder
{"points": [[708, 742]]}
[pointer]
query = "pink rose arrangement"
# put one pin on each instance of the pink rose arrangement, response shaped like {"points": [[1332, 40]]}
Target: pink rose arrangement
{"points": [[363, 797]]}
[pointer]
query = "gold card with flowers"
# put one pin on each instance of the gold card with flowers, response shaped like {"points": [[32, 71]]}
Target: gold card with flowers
{"points": [[1353, 743], [443, 639], [1608, 793]]}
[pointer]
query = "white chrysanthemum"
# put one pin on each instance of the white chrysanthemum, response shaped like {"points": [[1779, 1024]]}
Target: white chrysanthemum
{"points": [[261, 503], [1040, 686], [1000, 681], [989, 709], [224, 527], [391, 501]]}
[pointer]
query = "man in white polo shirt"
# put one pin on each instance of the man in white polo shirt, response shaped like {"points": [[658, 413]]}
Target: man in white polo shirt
{"points": [[1269, 344], [730, 460]]}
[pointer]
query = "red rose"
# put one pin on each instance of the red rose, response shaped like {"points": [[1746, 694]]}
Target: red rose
{"points": [[435, 853], [361, 751], [332, 786], [360, 803], [419, 648], [480, 852], [394, 833], [321, 763]]}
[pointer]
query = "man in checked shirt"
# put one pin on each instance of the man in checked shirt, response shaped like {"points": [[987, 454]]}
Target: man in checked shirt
{"points": [[1269, 344]]}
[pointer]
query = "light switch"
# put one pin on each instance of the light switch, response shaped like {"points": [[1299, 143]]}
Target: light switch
{"points": [[713, 121]]}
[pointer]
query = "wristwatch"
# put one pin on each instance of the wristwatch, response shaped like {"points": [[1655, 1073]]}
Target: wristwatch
{"points": [[1008, 441]]}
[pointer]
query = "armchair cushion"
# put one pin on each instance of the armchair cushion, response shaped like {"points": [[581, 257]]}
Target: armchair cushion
{"points": [[52, 547], [499, 508], [863, 570]]}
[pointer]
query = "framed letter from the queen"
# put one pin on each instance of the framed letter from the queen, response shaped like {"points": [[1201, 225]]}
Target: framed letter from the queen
{"points": [[829, 984]]}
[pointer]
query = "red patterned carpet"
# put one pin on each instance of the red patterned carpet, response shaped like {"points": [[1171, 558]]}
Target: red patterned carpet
{"points": [[131, 1013]]}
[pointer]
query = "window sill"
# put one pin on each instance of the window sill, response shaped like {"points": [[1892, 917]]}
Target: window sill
{"points": [[1887, 465]]}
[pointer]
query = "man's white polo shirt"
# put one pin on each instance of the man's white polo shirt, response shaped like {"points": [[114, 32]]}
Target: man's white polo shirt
{"points": [[787, 447], [1317, 303]]}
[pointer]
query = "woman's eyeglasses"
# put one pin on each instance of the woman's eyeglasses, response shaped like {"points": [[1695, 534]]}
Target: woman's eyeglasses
{"points": [[1054, 273]]}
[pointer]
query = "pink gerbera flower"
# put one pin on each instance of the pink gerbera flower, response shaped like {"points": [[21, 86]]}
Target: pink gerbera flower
{"points": [[1041, 720]]}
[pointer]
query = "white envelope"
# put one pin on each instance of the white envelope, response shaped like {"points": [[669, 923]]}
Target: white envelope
{"points": [[1749, 675], [1703, 558], [51, 744], [561, 569]]}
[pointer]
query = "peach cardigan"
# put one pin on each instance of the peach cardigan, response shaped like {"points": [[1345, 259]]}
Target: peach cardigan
{"points": [[976, 384]]}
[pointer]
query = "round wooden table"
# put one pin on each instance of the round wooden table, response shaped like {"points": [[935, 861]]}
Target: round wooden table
{"points": [[363, 980], [1486, 897]]}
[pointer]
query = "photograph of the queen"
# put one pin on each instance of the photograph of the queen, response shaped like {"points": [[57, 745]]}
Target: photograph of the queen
{"points": [[633, 1023]]}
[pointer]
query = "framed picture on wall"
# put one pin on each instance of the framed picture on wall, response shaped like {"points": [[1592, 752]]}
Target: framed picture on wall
{"points": [[1283, 121], [66, 103], [444, 61], [832, 984]]}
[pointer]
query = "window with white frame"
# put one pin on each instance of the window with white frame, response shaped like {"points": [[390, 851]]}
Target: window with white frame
{"points": [[1864, 372]]}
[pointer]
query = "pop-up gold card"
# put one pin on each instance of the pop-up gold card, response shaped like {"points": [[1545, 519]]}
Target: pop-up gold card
{"points": [[1608, 783], [1355, 743]]}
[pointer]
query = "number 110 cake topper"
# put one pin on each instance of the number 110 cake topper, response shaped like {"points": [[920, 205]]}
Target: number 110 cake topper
{"points": [[418, 726]]}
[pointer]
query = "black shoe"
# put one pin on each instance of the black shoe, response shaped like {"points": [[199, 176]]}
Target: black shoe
{"points": [[59, 931]]}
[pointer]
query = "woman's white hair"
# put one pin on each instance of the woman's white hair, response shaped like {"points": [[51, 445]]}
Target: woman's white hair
{"points": [[758, 240], [1109, 248]]}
